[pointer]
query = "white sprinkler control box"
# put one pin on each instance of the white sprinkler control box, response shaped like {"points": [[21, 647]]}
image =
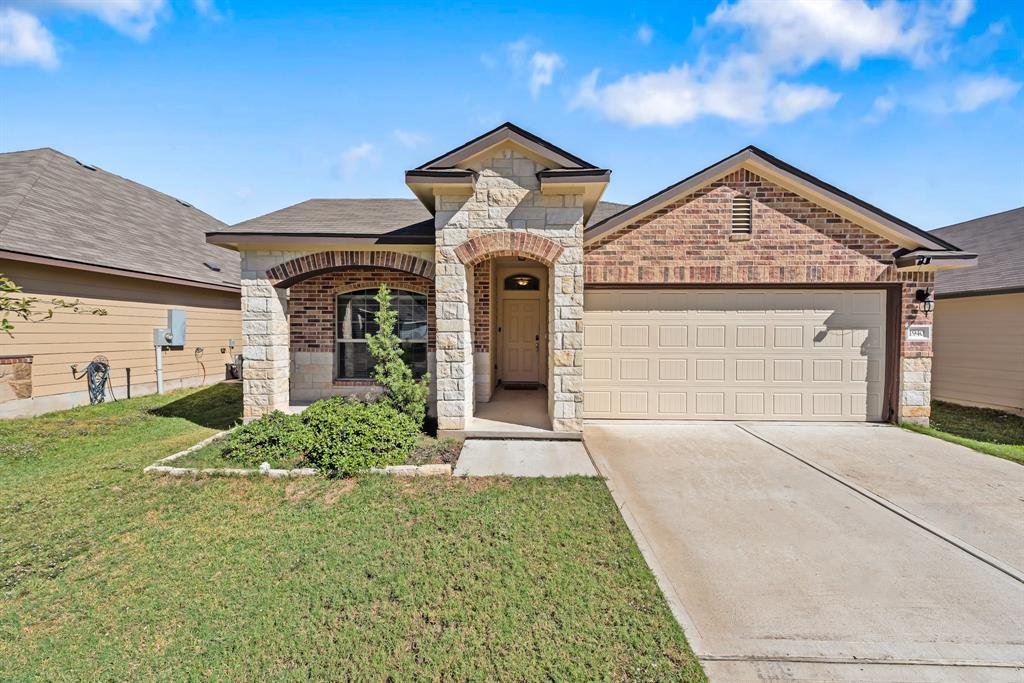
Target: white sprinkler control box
{"points": [[174, 333], [919, 333]]}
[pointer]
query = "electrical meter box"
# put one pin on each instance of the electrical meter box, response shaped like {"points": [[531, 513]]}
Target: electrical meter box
{"points": [[174, 333]]}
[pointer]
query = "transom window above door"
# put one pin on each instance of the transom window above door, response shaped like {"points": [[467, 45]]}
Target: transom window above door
{"points": [[355, 318], [522, 282]]}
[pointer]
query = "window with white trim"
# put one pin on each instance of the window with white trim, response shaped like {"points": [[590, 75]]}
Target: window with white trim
{"points": [[354, 315]]}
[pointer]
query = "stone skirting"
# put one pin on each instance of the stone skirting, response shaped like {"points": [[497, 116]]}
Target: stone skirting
{"points": [[15, 378]]}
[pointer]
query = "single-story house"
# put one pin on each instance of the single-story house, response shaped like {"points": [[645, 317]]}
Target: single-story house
{"points": [[73, 231], [979, 330], [748, 290]]}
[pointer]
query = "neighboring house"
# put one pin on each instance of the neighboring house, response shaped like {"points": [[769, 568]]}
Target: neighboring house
{"points": [[73, 231], [979, 330], [749, 290]]}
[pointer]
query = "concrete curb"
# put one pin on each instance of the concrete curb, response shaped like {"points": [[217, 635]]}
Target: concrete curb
{"points": [[160, 467]]}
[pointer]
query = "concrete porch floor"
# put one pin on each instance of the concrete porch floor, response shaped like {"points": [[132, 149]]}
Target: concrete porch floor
{"points": [[514, 414]]}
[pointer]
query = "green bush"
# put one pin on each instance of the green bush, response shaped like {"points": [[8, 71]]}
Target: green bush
{"points": [[390, 370], [346, 436], [274, 438]]}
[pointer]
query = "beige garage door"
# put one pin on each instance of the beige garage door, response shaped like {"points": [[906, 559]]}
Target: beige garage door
{"points": [[734, 354]]}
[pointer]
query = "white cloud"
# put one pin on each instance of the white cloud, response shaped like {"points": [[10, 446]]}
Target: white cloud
{"points": [[208, 9], [752, 81], [135, 18], [738, 89], [353, 158], [408, 138], [974, 93], [24, 40], [542, 70], [788, 101], [645, 34], [882, 106], [798, 33]]}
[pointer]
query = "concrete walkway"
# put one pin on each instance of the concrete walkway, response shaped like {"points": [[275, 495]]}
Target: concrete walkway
{"points": [[779, 569], [487, 458]]}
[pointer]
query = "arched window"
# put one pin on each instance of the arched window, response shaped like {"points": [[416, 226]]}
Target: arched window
{"points": [[355, 319], [522, 282]]}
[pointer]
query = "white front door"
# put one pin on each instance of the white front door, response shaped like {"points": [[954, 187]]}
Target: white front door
{"points": [[521, 340]]}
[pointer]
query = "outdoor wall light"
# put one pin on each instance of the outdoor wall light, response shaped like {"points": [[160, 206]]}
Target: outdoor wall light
{"points": [[925, 298]]}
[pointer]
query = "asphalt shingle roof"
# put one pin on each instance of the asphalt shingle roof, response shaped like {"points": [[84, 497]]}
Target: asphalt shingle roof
{"points": [[53, 206], [998, 240], [400, 219]]}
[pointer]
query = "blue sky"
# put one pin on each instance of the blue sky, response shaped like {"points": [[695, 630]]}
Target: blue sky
{"points": [[246, 107]]}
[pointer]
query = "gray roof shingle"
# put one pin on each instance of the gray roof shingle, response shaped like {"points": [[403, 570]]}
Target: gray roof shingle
{"points": [[998, 240], [397, 220], [53, 206]]}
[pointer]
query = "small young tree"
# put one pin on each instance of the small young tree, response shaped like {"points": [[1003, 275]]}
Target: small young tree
{"points": [[13, 304], [402, 391]]}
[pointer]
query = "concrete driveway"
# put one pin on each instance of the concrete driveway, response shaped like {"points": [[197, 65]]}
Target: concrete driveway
{"points": [[827, 552]]}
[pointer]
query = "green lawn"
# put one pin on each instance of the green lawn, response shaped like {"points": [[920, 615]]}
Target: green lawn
{"points": [[109, 574], [989, 431]]}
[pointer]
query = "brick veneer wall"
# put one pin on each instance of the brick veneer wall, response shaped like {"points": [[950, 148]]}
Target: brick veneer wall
{"points": [[793, 241], [482, 307], [311, 303]]}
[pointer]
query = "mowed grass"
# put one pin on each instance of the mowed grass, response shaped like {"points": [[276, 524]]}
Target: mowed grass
{"points": [[109, 574], [983, 429]]}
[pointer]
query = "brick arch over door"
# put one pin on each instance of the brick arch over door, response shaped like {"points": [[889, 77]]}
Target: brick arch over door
{"points": [[304, 267], [496, 244]]}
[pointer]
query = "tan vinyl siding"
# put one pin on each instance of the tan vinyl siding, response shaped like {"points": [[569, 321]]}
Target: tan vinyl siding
{"points": [[979, 351], [125, 335]]}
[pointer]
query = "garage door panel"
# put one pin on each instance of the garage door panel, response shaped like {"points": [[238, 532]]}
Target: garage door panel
{"points": [[747, 354]]}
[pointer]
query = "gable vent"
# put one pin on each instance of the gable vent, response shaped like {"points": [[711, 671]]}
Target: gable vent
{"points": [[741, 215]]}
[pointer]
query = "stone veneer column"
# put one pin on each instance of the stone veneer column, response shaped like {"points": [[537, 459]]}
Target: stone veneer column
{"points": [[454, 354], [915, 376], [507, 201], [265, 338]]}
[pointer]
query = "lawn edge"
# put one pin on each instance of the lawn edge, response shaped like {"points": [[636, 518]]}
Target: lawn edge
{"points": [[973, 444]]}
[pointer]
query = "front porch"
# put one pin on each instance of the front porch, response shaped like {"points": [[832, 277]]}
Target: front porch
{"points": [[514, 413]]}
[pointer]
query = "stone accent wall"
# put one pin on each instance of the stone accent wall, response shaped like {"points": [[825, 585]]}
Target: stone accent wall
{"points": [[15, 378], [507, 206], [265, 327], [793, 241]]}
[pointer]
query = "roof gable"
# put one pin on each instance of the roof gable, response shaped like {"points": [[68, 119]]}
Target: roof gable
{"points": [[789, 177], [505, 133]]}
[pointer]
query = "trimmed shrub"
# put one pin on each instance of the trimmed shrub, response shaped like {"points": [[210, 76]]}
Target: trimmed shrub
{"points": [[274, 438], [346, 436], [390, 370]]}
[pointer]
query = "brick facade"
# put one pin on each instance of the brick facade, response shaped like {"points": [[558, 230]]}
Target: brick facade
{"points": [[311, 303], [482, 307], [793, 241]]}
